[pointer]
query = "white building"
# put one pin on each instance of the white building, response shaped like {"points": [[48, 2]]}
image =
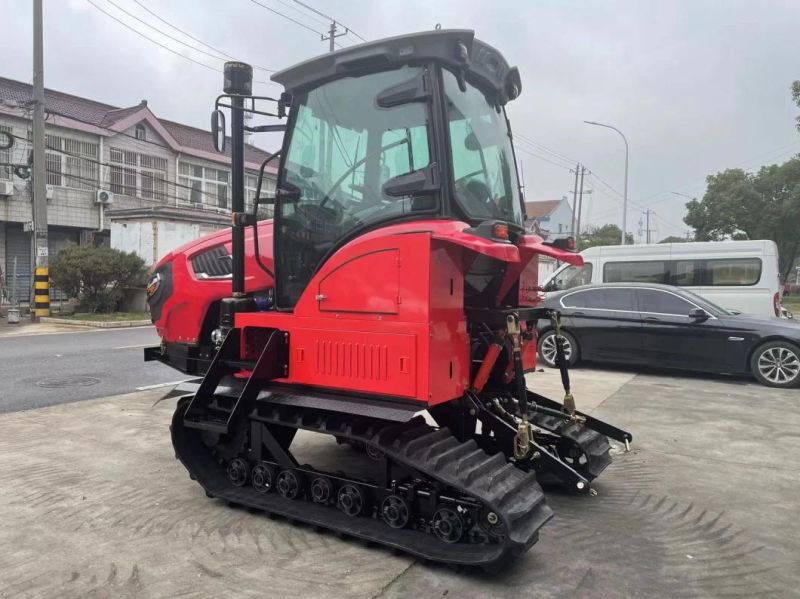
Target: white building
{"points": [[550, 217], [143, 163]]}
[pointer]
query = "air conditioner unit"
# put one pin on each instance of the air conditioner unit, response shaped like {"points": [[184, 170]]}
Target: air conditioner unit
{"points": [[104, 197], [50, 190], [6, 188]]}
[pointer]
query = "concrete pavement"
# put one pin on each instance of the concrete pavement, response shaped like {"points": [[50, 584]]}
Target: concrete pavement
{"points": [[94, 505]]}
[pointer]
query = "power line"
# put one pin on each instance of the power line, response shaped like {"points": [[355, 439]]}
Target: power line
{"points": [[305, 14], [776, 152], [157, 43], [167, 35], [288, 18], [322, 14], [522, 145], [199, 41], [542, 158], [547, 149]]}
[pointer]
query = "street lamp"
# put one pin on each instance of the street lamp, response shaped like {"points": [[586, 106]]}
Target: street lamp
{"points": [[677, 193], [625, 200]]}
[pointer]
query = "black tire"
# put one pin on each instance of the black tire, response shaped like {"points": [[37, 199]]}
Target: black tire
{"points": [[776, 364], [547, 348]]}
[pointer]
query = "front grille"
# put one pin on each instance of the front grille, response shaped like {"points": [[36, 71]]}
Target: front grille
{"points": [[215, 262]]}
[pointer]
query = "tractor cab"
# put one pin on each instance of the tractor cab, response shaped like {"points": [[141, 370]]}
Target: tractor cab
{"points": [[404, 129]]}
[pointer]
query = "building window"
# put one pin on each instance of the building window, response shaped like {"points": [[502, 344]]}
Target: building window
{"points": [[71, 162], [133, 174], [5, 157], [267, 191], [141, 132], [53, 167], [203, 185]]}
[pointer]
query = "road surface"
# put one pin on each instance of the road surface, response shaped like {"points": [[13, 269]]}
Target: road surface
{"points": [[44, 370]]}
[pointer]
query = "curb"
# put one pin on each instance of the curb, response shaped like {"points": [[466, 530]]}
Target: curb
{"points": [[120, 324]]}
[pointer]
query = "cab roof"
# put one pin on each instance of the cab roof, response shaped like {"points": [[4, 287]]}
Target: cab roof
{"points": [[483, 66]]}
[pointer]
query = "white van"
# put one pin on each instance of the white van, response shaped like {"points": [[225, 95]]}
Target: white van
{"points": [[741, 276]]}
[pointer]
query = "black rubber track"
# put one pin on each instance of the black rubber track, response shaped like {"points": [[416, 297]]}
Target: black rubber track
{"points": [[515, 496], [593, 445]]}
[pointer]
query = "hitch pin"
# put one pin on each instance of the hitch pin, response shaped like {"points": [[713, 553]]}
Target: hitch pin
{"points": [[627, 445]]}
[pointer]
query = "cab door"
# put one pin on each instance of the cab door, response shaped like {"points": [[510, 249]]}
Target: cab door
{"points": [[605, 322]]}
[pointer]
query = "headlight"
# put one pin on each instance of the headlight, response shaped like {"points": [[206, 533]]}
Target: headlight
{"points": [[153, 285]]}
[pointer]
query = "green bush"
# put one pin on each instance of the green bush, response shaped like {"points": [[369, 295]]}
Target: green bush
{"points": [[96, 275]]}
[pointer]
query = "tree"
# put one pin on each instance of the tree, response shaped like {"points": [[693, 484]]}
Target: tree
{"points": [[604, 235], [796, 98], [674, 239], [96, 275], [740, 205]]}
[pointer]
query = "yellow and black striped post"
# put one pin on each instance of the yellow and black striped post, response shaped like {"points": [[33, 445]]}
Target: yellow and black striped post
{"points": [[41, 291]]}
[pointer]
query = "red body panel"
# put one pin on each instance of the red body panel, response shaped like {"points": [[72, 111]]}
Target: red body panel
{"points": [[384, 315]]}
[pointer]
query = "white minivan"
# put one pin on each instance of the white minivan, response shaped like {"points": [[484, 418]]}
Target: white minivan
{"points": [[741, 276]]}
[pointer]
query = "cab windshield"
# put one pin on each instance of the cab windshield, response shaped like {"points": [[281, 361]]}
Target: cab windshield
{"points": [[484, 172]]}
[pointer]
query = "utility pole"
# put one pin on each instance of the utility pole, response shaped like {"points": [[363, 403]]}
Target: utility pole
{"points": [[41, 279], [332, 35], [575, 202], [580, 208], [647, 229]]}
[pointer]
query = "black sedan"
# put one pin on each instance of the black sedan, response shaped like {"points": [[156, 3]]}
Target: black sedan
{"points": [[667, 327]]}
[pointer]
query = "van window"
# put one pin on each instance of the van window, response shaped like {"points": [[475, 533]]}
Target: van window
{"points": [[600, 299], [686, 273], [734, 271], [635, 272], [570, 277]]}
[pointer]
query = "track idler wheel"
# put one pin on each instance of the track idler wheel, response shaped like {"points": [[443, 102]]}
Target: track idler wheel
{"points": [[263, 478], [321, 490], [237, 471], [374, 453], [351, 500], [448, 525], [289, 484], [395, 511]]}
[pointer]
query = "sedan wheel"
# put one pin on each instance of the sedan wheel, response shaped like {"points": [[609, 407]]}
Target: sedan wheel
{"points": [[777, 364], [547, 349]]}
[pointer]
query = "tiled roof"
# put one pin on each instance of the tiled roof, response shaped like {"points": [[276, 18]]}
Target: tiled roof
{"points": [[192, 137], [538, 209], [18, 94]]}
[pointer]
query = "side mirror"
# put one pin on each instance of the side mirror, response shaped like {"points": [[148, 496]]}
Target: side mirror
{"points": [[218, 130], [698, 315]]}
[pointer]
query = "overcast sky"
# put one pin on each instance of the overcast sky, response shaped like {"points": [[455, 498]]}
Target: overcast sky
{"points": [[696, 85]]}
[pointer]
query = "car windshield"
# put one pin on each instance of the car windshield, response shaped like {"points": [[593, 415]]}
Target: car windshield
{"points": [[485, 175], [569, 277]]}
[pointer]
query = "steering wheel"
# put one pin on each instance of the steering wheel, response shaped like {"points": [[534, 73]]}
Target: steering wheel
{"points": [[477, 195]]}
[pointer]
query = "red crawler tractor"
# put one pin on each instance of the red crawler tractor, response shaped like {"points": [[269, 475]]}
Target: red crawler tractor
{"points": [[388, 285]]}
